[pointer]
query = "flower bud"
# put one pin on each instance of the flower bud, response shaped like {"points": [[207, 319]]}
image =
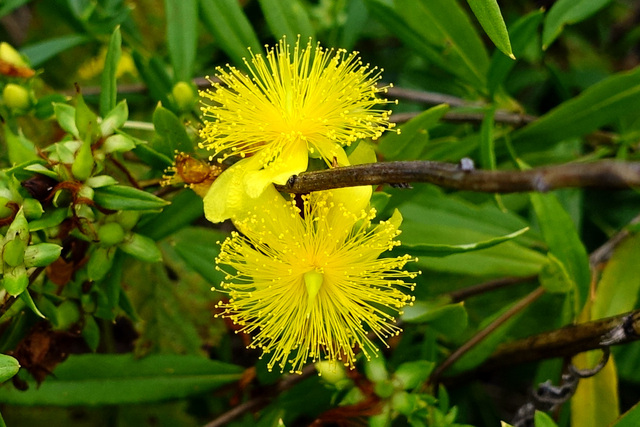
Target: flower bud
{"points": [[10, 55], [141, 247], [16, 97], [331, 371], [83, 164], [13, 252], [110, 234], [32, 209], [127, 219], [41, 255], [184, 96]]}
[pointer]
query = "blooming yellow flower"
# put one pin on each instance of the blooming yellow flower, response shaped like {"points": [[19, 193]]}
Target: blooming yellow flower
{"points": [[293, 103], [310, 284]]}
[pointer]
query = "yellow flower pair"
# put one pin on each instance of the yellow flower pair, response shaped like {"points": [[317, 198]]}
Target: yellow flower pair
{"points": [[306, 282]]}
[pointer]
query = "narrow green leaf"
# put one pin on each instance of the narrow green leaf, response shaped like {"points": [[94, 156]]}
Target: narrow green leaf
{"points": [[226, 21], [8, 367], [171, 133], [601, 104], [9, 6], [120, 197], [19, 148], [618, 289], [554, 276], [142, 248], [28, 301], [438, 250], [198, 248], [115, 118], [182, 36], [565, 12], [522, 33], [156, 78], [487, 146], [66, 117], [563, 241], [413, 135], [287, 18], [100, 379], [357, 17], [49, 219], [108, 85], [450, 319], [489, 16], [541, 419], [631, 418], [108, 289], [40, 52], [185, 208], [444, 25]]}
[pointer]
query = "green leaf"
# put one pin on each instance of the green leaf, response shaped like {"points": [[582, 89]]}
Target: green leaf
{"points": [[41, 254], [185, 208], [564, 12], [357, 18], [487, 146], [198, 248], [541, 419], [522, 32], [450, 319], [141, 247], [66, 117], [49, 219], [631, 418], [19, 148], [8, 367], [233, 32], [28, 301], [182, 36], [562, 238], [9, 6], [440, 250], [489, 16], [115, 118], [413, 135], [603, 103], [100, 379], [120, 197], [445, 27], [40, 52], [412, 374], [108, 85], [108, 289], [618, 289], [171, 133], [554, 276], [287, 18], [156, 78]]}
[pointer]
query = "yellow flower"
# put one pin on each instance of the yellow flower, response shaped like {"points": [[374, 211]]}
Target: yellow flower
{"points": [[311, 284], [292, 104]]}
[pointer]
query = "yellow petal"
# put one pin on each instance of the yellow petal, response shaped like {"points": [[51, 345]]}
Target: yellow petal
{"points": [[329, 150], [226, 196], [293, 160]]}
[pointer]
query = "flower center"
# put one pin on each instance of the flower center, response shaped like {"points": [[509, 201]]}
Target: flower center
{"points": [[313, 282]]}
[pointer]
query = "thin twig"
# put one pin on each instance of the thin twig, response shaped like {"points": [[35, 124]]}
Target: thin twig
{"points": [[261, 401], [464, 293], [600, 174], [464, 348], [604, 252]]}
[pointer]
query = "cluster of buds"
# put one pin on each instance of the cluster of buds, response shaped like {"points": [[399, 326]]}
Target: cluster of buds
{"points": [[17, 95]]}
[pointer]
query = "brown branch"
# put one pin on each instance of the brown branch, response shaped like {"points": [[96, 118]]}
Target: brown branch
{"points": [[567, 341], [263, 400], [604, 252], [476, 339], [600, 174]]}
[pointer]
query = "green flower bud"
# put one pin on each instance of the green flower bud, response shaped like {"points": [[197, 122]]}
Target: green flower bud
{"points": [[10, 55], [15, 280], [13, 252], [83, 164], [184, 96], [67, 314], [141, 247], [331, 371], [32, 209], [100, 263], [41, 255], [110, 234], [5, 211], [127, 219], [16, 97]]}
